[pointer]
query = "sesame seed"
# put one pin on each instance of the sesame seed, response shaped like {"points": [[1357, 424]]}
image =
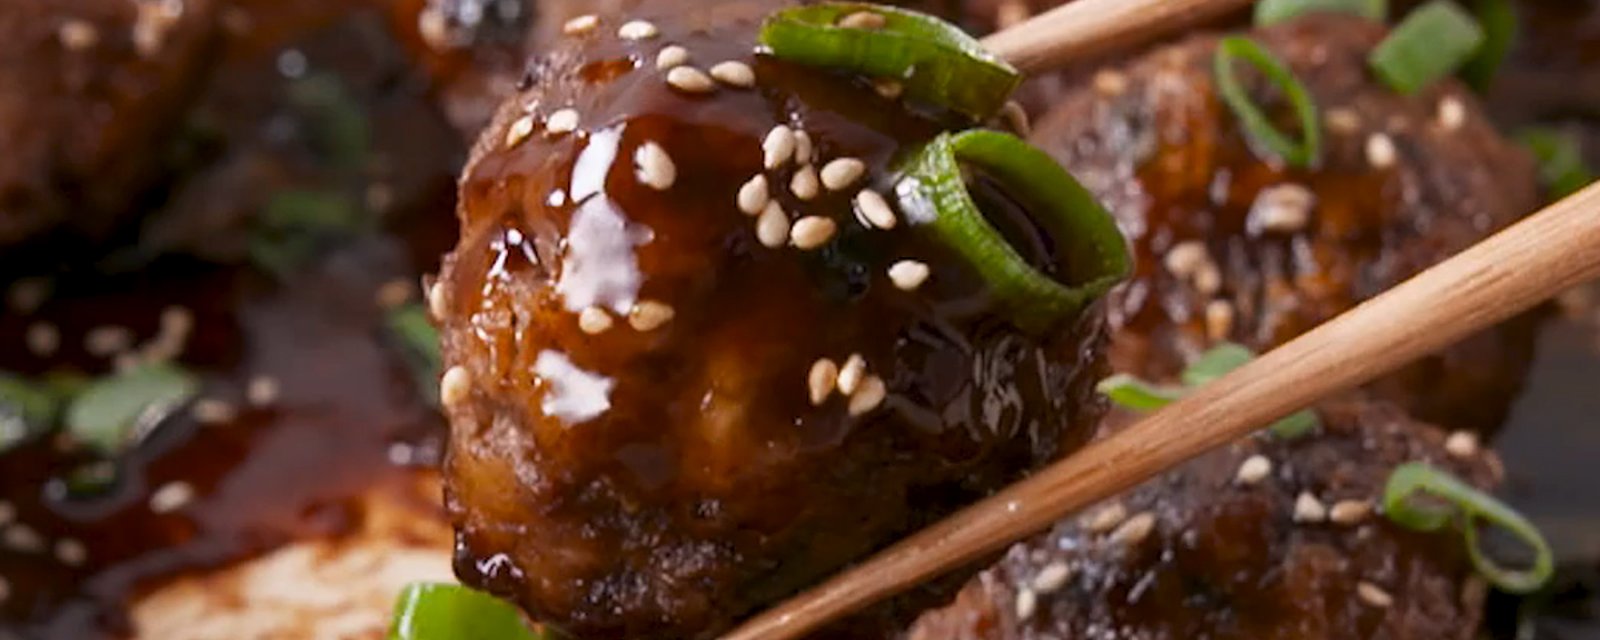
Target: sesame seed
{"points": [[177, 321], [1307, 508], [1110, 83], [213, 411], [868, 396], [863, 20], [802, 146], [1219, 319], [1452, 114], [1027, 601], [754, 195], [772, 228], [1187, 258], [842, 172], [171, 497], [804, 184], [107, 340], [562, 121], [812, 232], [438, 304], [1011, 12], [1016, 118], [8, 512], [1373, 595], [393, 294], [1462, 444], [1105, 518], [852, 373], [1052, 577], [638, 30], [654, 167], [777, 147], [1342, 120], [690, 80], [434, 27], [77, 35], [43, 339], [23, 539], [581, 24], [873, 211], [672, 56], [649, 315], [1209, 280], [1380, 151], [908, 275], [28, 294], [594, 321], [734, 74], [1254, 469], [820, 380], [455, 386], [262, 391], [1284, 208], [1348, 512], [519, 131], [71, 552], [1135, 529], [888, 88]]}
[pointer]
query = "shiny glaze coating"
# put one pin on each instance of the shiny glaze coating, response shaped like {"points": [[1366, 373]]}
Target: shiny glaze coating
{"points": [[663, 481], [1152, 140]]}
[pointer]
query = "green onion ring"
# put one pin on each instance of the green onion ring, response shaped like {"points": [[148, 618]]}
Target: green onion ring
{"points": [[1255, 122], [431, 611], [937, 61], [1428, 45], [1271, 12], [932, 192], [1457, 498]]}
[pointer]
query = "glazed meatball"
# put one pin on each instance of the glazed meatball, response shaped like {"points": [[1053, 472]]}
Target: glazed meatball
{"points": [[92, 88], [1231, 246], [684, 376], [1266, 539]]}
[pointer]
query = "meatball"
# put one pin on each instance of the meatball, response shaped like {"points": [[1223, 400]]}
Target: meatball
{"points": [[1266, 539], [681, 379], [1231, 246], [92, 89]]}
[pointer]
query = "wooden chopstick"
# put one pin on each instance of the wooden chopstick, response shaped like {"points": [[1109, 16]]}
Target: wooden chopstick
{"points": [[1510, 272], [1078, 30]]}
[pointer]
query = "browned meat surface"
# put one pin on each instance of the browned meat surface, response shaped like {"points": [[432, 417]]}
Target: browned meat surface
{"points": [[90, 90], [1230, 246], [1210, 551], [634, 453]]}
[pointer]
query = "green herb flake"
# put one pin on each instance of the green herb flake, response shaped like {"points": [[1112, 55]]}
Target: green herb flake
{"points": [[111, 410]]}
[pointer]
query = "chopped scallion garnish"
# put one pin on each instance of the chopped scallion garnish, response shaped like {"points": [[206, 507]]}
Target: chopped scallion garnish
{"points": [[1431, 43], [934, 195], [428, 611], [295, 222], [112, 410], [1499, 21], [936, 61], [1423, 498], [1561, 166], [1270, 12], [1257, 125], [419, 342], [26, 410], [1217, 362], [1130, 392]]}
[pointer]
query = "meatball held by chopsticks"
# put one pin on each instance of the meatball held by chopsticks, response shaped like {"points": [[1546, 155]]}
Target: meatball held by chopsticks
{"points": [[723, 320]]}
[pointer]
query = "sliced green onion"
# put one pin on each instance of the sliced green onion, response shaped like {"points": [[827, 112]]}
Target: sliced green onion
{"points": [[933, 193], [1429, 44], [1424, 498], [294, 222], [1217, 362], [112, 410], [1130, 392], [1270, 12], [936, 61], [1561, 166], [419, 342], [1499, 21], [26, 410], [1257, 125], [428, 611]]}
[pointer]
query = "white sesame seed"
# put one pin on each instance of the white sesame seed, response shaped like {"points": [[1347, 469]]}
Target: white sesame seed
{"points": [[820, 380], [1462, 444], [1015, 117], [888, 88], [594, 321], [638, 30], [1380, 151], [690, 80], [1027, 602], [672, 56], [171, 497], [777, 147], [863, 20], [1110, 83], [734, 74], [1209, 280], [804, 184], [23, 539], [1187, 258], [802, 146], [754, 195], [1052, 577], [1254, 469], [393, 294], [1452, 114], [772, 228], [1219, 319], [455, 387], [26, 295], [77, 35], [908, 275], [1011, 12], [43, 339], [434, 27], [842, 172], [1348, 512], [654, 167], [649, 315], [1284, 208], [1105, 518], [812, 232], [177, 322], [581, 24], [868, 396], [562, 121], [438, 304], [1373, 595], [212, 411], [519, 131], [873, 211], [1307, 508], [262, 391], [107, 340], [851, 374], [1342, 120], [1135, 529], [71, 552], [8, 512]]}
